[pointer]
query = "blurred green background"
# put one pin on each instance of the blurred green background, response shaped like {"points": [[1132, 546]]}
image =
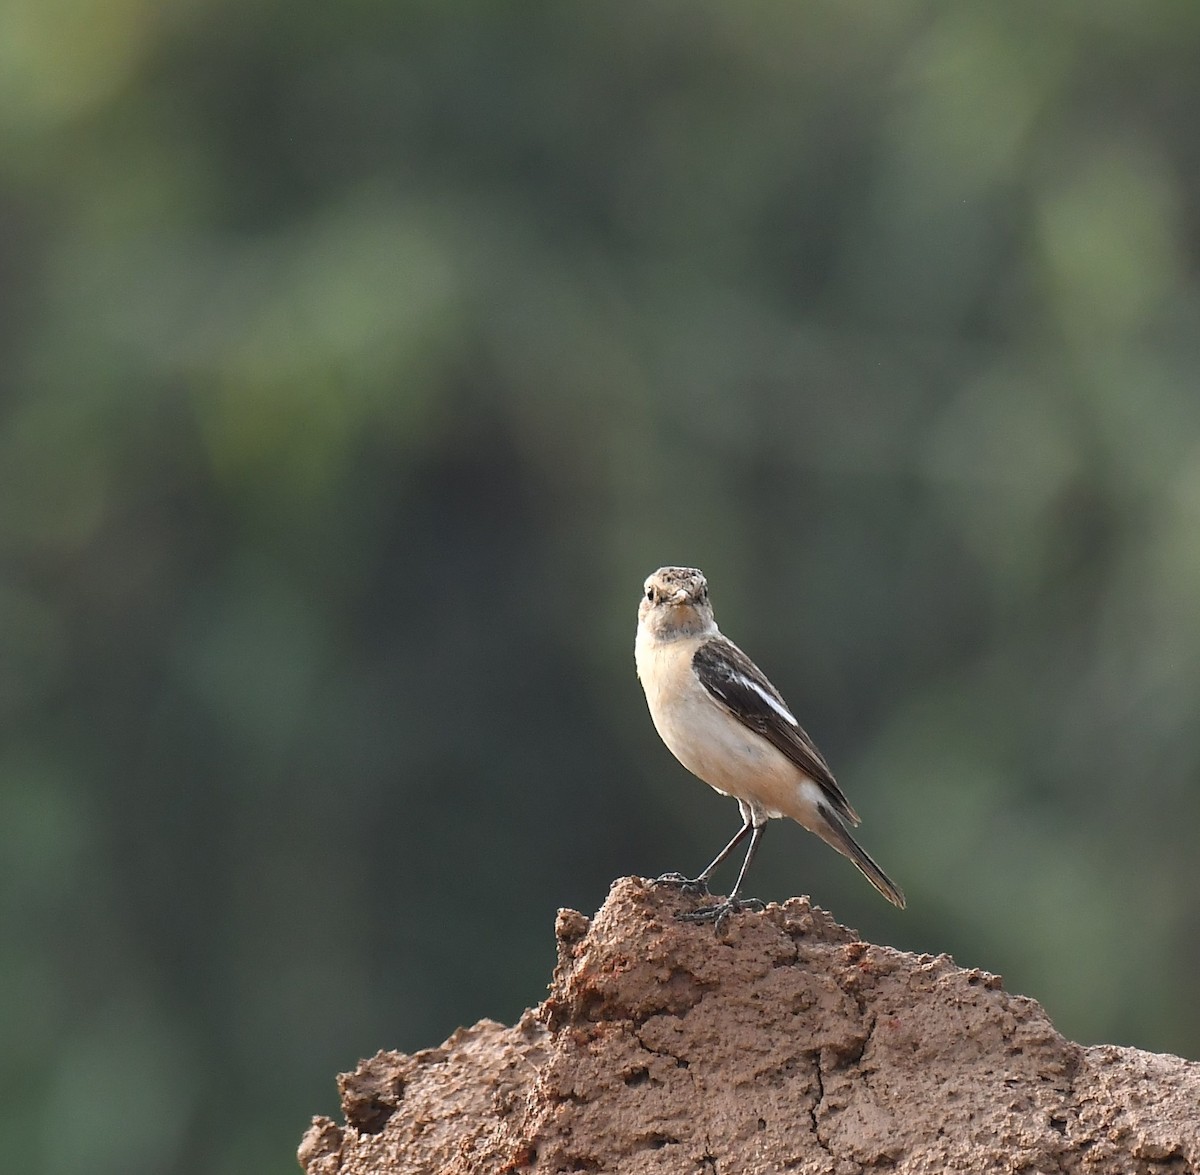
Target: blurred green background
{"points": [[359, 360]]}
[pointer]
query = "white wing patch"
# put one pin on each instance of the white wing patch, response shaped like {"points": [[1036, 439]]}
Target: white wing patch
{"points": [[773, 702]]}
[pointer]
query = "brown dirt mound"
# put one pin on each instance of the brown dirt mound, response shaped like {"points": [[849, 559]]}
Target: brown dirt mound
{"points": [[787, 1045]]}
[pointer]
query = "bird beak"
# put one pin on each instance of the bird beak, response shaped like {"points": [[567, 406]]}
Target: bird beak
{"points": [[680, 596]]}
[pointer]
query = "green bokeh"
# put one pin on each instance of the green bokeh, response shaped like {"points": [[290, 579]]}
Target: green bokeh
{"points": [[357, 363]]}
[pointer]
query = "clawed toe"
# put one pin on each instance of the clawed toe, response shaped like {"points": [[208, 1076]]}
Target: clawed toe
{"points": [[721, 911], [697, 885]]}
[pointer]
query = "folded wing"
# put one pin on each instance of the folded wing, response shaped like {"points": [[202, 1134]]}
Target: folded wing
{"points": [[743, 689]]}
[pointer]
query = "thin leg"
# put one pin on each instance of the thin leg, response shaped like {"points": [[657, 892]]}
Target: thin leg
{"points": [[758, 831], [732, 904], [738, 837], [700, 884]]}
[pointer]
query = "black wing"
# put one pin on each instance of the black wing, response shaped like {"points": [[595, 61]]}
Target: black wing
{"points": [[743, 689]]}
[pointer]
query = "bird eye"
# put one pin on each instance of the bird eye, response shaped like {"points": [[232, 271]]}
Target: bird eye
{"points": [[650, 594]]}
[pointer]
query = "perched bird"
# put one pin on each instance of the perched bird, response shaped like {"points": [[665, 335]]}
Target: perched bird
{"points": [[727, 724]]}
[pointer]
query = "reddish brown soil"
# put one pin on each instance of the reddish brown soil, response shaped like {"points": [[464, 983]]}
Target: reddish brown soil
{"points": [[788, 1045]]}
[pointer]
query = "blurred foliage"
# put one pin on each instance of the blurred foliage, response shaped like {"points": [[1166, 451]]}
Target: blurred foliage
{"points": [[360, 360]]}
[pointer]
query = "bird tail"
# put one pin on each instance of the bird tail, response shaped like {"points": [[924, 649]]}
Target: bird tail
{"points": [[833, 832]]}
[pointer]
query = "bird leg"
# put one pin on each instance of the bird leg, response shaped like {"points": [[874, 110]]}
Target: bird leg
{"points": [[732, 904], [699, 885]]}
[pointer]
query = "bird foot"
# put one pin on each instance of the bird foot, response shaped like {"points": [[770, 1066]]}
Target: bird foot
{"points": [[697, 885], [721, 911]]}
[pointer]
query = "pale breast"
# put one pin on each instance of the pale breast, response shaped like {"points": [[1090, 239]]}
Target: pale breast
{"points": [[710, 742]]}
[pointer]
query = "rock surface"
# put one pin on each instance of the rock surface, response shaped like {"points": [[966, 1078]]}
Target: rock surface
{"points": [[786, 1045]]}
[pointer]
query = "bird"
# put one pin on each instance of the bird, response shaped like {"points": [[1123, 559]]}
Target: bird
{"points": [[721, 717]]}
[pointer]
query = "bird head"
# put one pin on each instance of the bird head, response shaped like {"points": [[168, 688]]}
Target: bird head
{"points": [[675, 603]]}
